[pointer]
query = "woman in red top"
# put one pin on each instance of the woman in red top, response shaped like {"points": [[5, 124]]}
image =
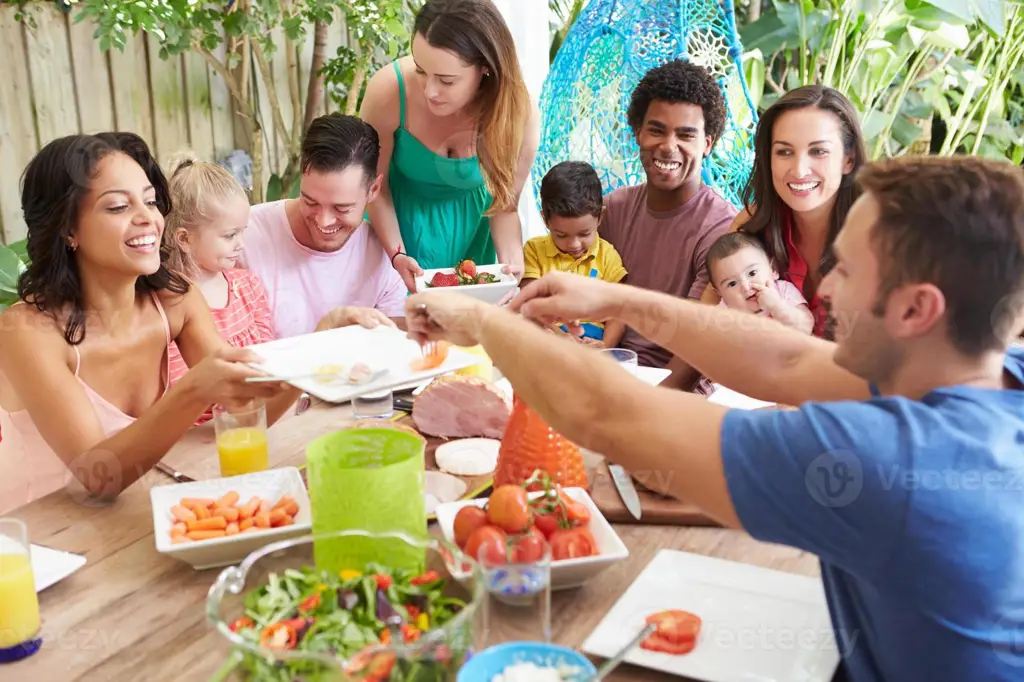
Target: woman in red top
{"points": [[807, 151]]}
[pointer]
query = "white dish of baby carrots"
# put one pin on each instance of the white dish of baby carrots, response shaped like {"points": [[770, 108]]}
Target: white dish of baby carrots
{"points": [[221, 521]]}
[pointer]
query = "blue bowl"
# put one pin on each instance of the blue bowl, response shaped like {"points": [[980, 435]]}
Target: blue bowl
{"points": [[482, 667]]}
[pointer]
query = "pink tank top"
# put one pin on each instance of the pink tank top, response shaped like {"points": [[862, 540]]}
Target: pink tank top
{"points": [[29, 468]]}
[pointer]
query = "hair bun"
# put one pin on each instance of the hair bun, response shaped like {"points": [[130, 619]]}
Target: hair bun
{"points": [[181, 159]]}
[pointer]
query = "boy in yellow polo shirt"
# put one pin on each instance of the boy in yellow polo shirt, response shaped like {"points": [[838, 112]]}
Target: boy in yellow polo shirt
{"points": [[572, 204]]}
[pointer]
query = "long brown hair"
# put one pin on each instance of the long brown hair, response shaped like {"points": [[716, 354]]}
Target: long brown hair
{"points": [[476, 31], [759, 195]]}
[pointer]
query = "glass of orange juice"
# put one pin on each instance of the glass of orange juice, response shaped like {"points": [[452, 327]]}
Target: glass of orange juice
{"points": [[19, 605], [241, 438]]}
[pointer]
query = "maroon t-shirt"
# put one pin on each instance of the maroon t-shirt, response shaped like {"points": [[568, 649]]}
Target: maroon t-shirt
{"points": [[664, 251]]}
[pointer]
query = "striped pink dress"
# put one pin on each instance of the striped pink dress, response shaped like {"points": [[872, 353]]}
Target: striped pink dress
{"points": [[244, 321]]}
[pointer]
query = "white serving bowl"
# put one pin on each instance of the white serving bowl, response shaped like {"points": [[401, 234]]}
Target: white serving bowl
{"points": [[566, 573], [488, 293], [268, 485]]}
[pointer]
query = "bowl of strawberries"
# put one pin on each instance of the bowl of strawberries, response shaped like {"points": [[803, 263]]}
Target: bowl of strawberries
{"points": [[484, 282], [581, 540]]}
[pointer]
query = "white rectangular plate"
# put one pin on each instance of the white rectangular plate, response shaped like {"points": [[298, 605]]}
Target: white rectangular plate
{"points": [[380, 348], [567, 572], [488, 293], [50, 566], [758, 625], [268, 485]]}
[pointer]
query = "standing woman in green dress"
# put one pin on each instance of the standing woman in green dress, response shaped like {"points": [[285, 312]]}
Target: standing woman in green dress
{"points": [[458, 135]]}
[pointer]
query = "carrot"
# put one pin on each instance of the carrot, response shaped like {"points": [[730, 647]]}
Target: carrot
{"points": [[212, 523], [264, 507], [292, 509], [288, 520], [205, 534], [232, 529], [262, 520], [178, 539], [250, 529], [199, 510], [249, 510], [282, 503], [183, 514], [277, 518], [229, 513], [201, 501], [228, 500], [245, 524], [178, 529]]}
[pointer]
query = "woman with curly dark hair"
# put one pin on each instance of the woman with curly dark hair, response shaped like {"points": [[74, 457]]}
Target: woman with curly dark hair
{"points": [[664, 228], [84, 361], [807, 151]]}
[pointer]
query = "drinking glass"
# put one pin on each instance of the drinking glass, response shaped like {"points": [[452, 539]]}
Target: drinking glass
{"points": [[19, 605], [625, 357], [242, 438], [518, 604], [378, 405]]}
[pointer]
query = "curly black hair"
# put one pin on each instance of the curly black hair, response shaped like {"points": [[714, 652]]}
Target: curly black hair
{"points": [[53, 186], [679, 81]]}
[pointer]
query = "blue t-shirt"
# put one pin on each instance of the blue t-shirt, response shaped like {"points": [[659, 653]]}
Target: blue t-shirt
{"points": [[916, 510]]}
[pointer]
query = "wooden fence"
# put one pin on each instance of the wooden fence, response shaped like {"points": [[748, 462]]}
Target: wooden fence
{"points": [[55, 81]]}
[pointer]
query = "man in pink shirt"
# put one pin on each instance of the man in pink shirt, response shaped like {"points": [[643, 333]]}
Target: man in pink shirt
{"points": [[315, 254], [664, 227]]}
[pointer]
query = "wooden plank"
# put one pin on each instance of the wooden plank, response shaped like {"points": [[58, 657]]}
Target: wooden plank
{"points": [[92, 79], [129, 72], [222, 108], [17, 127], [305, 61], [49, 65], [200, 114], [266, 119], [279, 68], [170, 122]]}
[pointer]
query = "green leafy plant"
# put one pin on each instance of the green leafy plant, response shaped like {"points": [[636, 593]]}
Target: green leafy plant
{"points": [[900, 62], [13, 261]]}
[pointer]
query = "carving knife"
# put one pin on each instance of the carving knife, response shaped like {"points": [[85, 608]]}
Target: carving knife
{"points": [[627, 491]]}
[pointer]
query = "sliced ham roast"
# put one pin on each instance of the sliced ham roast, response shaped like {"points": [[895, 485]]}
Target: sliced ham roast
{"points": [[461, 407]]}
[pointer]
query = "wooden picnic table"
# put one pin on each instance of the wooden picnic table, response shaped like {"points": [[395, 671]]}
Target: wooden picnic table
{"points": [[133, 614]]}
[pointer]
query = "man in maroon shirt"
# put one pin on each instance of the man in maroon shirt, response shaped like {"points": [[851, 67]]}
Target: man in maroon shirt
{"points": [[664, 228]]}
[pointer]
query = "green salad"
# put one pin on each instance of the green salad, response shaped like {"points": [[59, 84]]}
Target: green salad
{"points": [[350, 616]]}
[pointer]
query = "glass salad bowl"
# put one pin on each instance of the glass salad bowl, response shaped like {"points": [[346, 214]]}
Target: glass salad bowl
{"points": [[288, 621]]}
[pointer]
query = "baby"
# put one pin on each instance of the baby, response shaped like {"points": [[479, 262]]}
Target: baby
{"points": [[742, 274], [572, 205]]}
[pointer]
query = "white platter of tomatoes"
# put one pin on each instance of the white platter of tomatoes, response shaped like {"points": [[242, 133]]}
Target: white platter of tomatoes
{"points": [[514, 524]]}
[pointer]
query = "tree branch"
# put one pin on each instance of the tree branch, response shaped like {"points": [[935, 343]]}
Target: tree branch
{"points": [[292, 64], [315, 90], [359, 74], [275, 103], [222, 71]]}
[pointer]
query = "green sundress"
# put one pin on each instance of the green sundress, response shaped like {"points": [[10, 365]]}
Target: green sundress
{"points": [[440, 202]]}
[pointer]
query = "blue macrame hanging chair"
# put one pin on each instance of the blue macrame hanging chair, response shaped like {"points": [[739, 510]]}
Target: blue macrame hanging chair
{"points": [[607, 51]]}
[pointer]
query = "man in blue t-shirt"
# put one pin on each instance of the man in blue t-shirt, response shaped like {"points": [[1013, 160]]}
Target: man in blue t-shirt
{"points": [[903, 466]]}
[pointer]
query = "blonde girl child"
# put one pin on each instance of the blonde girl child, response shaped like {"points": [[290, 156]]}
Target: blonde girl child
{"points": [[203, 236]]}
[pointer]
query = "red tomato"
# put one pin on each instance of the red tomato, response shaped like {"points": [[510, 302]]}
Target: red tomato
{"points": [[509, 509], [466, 521], [487, 543], [546, 523], [676, 626], [528, 547], [662, 645], [572, 543]]}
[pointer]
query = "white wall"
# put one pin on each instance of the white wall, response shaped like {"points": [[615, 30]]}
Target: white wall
{"points": [[528, 22]]}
